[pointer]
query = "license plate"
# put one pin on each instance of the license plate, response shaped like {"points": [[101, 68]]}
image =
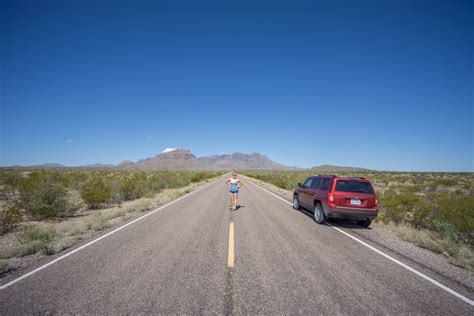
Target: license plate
{"points": [[355, 202]]}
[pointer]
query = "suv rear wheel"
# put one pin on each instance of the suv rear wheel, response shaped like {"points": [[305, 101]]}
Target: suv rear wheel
{"points": [[296, 203], [319, 214]]}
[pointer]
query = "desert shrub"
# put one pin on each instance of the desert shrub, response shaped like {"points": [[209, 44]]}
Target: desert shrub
{"points": [[33, 239], [9, 218], [47, 193], [10, 177], [196, 177], [41, 239], [97, 222], [42, 196], [77, 179], [398, 207], [452, 216], [440, 182], [95, 193], [9, 180], [3, 266], [133, 186], [201, 176]]}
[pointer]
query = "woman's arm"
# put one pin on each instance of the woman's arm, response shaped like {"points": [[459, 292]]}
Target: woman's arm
{"points": [[240, 184], [227, 181]]}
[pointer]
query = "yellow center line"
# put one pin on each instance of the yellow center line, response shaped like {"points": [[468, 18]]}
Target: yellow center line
{"points": [[230, 257]]}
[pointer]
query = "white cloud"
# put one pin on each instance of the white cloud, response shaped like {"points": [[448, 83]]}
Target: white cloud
{"points": [[68, 141], [167, 150], [149, 138]]}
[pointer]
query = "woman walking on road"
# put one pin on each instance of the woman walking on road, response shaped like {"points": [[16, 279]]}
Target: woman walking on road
{"points": [[235, 185]]}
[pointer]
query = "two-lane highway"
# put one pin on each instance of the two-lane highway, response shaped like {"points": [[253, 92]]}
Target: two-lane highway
{"points": [[176, 260]]}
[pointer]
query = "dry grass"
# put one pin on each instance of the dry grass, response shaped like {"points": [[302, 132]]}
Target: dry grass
{"points": [[32, 240], [457, 254]]}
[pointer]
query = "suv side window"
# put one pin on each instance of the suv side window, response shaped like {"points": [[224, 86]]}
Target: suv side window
{"points": [[315, 183], [325, 184], [307, 183]]}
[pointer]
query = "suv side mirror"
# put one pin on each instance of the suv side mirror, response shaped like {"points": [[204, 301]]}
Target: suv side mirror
{"points": [[299, 185]]}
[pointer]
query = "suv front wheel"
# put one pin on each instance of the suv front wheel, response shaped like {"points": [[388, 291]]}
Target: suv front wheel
{"points": [[319, 214], [296, 203]]}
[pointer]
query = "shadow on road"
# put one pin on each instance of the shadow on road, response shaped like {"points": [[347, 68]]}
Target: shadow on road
{"points": [[238, 207], [336, 222]]}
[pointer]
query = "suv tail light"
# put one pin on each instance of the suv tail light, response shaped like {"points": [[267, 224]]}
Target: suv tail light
{"points": [[331, 198], [376, 201]]}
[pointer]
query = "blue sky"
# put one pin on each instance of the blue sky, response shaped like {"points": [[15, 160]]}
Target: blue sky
{"points": [[378, 84]]}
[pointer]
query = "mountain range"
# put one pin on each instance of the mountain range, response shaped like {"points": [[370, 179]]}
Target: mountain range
{"points": [[183, 159]]}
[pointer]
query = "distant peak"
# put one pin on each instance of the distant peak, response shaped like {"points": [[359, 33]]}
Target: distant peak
{"points": [[176, 153], [168, 149], [125, 163]]}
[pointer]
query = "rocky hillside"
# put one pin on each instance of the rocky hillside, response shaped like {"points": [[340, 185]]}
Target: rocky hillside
{"points": [[178, 159], [242, 161]]}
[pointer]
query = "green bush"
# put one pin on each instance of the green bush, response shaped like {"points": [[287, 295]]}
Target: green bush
{"points": [[9, 218], [398, 207], [452, 216], [95, 193], [42, 196], [10, 178], [133, 186]]}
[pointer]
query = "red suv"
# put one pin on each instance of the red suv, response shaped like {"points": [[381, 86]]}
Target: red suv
{"points": [[330, 196]]}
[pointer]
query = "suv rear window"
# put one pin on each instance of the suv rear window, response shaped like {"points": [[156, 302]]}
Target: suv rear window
{"points": [[354, 186]]}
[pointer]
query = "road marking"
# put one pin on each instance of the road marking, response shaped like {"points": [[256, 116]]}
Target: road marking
{"points": [[4, 286], [407, 267], [230, 257]]}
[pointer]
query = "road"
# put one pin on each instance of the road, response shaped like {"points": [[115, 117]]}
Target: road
{"points": [[176, 260]]}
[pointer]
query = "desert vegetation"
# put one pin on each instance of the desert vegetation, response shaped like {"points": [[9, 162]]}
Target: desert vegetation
{"points": [[433, 210], [39, 209], [47, 194]]}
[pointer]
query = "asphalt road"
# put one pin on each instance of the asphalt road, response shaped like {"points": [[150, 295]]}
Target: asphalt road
{"points": [[176, 261]]}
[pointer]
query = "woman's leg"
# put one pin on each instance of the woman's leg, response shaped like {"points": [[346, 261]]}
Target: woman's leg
{"points": [[231, 196], [236, 195]]}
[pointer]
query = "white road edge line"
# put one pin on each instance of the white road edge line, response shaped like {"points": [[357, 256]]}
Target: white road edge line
{"points": [[424, 276], [4, 286]]}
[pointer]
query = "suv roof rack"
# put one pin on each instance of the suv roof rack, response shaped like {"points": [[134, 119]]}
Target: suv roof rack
{"points": [[357, 178], [327, 175]]}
